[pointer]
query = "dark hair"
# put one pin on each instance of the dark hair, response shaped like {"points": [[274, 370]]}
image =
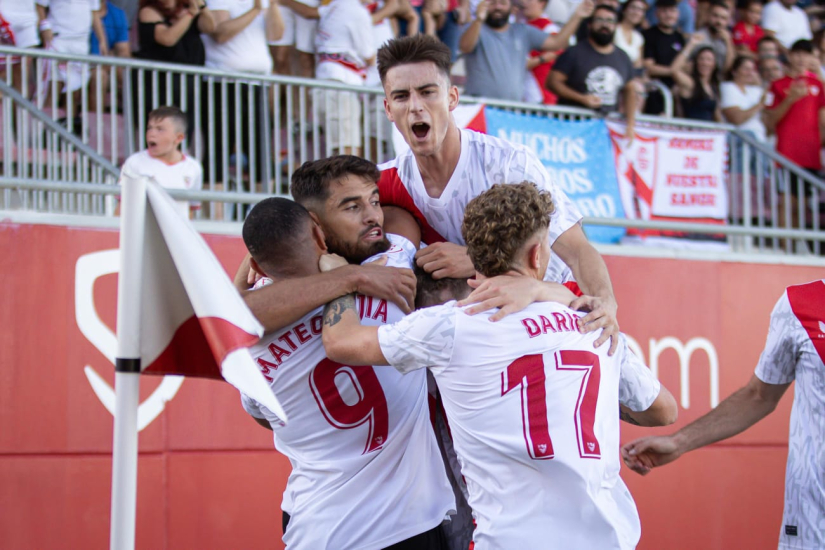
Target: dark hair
{"points": [[160, 7], [666, 3], [171, 112], [273, 229], [606, 7], [414, 49], [432, 292], [626, 6], [803, 46], [719, 4], [750, 3], [766, 39], [738, 62], [699, 92], [311, 181]]}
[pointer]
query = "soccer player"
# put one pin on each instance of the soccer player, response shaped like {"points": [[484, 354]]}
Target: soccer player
{"points": [[163, 159], [531, 402], [446, 167], [795, 350], [367, 472]]}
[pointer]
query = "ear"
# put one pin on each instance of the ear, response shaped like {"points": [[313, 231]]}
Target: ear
{"points": [[314, 217], [179, 137], [534, 256], [256, 268], [452, 97], [387, 110], [318, 237]]}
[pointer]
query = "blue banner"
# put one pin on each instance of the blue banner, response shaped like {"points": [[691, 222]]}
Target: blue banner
{"points": [[578, 156]]}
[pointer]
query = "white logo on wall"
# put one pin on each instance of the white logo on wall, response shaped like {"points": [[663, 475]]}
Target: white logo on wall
{"points": [[88, 269], [604, 82]]}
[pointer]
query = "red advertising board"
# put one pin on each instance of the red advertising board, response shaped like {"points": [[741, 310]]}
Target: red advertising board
{"points": [[208, 474]]}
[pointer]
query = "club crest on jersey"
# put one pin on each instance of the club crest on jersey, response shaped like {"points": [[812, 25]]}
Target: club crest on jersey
{"points": [[379, 440], [591, 446], [542, 448]]}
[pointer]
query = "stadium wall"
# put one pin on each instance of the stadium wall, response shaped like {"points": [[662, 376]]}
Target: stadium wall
{"points": [[208, 476]]}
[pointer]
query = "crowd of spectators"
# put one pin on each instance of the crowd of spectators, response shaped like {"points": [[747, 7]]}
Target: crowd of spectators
{"points": [[739, 61]]}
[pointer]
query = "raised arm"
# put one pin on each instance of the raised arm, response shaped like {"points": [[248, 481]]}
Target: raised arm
{"points": [[469, 39], [561, 40]]}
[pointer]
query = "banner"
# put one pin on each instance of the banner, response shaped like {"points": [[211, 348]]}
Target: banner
{"points": [[671, 174], [577, 155]]}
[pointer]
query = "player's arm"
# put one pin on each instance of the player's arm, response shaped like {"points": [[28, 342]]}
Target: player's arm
{"points": [[400, 222], [591, 274], [287, 300], [511, 293], [345, 340], [737, 413], [662, 412]]}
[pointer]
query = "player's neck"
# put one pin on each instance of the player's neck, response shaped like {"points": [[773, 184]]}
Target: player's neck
{"points": [[170, 158], [437, 169]]}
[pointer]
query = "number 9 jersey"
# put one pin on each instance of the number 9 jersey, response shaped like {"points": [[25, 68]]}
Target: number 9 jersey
{"points": [[534, 414], [366, 469]]}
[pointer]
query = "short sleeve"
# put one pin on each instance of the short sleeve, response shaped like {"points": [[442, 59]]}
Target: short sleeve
{"points": [[638, 388], [535, 37], [423, 339], [252, 407], [777, 364], [121, 28], [94, 5], [770, 21], [565, 61], [648, 50], [362, 35], [728, 94], [525, 166]]}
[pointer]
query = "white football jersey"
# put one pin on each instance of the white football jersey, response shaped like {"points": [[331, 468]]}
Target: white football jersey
{"points": [[186, 174], [367, 472], [533, 410], [484, 161], [795, 350], [344, 41]]}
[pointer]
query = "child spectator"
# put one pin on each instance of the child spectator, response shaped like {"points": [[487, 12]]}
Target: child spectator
{"points": [[747, 33], [163, 160]]}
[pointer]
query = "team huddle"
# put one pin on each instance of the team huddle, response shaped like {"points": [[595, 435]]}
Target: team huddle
{"points": [[444, 341]]}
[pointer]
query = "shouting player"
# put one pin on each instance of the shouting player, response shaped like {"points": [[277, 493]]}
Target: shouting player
{"points": [[446, 167], [367, 472], [532, 405], [795, 351]]}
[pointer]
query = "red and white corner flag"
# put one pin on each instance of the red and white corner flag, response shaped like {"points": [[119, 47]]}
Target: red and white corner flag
{"points": [[177, 313]]}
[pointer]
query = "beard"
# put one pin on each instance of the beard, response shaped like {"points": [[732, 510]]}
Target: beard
{"points": [[357, 252], [602, 38], [497, 22]]}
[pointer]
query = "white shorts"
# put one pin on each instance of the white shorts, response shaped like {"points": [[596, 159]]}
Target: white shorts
{"points": [[340, 113], [298, 31], [71, 73]]}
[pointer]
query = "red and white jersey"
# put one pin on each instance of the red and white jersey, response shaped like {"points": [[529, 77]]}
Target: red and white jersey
{"points": [[533, 411], [344, 41], [186, 174], [484, 161], [795, 350], [367, 472]]}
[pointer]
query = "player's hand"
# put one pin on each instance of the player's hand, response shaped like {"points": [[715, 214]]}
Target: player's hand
{"points": [[592, 101], [388, 283], [647, 453], [512, 293], [442, 260], [602, 316], [328, 262], [585, 9], [481, 10]]}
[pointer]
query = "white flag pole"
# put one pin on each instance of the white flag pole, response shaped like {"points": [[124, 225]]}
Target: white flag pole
{"points": [[127, 365]]}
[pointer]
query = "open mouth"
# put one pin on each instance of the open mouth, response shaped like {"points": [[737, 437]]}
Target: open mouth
{"points": [[420, 129], [151, 144], [373, 234]]}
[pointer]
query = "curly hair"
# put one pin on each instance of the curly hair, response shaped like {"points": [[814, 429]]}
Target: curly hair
{"points": [[498, 222]]}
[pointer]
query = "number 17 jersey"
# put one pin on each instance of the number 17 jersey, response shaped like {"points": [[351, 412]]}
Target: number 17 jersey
{"points": [[366, 469], [534, 413]]}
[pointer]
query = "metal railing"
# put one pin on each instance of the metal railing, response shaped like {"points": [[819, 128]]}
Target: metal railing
{"points": [[60, 149]]}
